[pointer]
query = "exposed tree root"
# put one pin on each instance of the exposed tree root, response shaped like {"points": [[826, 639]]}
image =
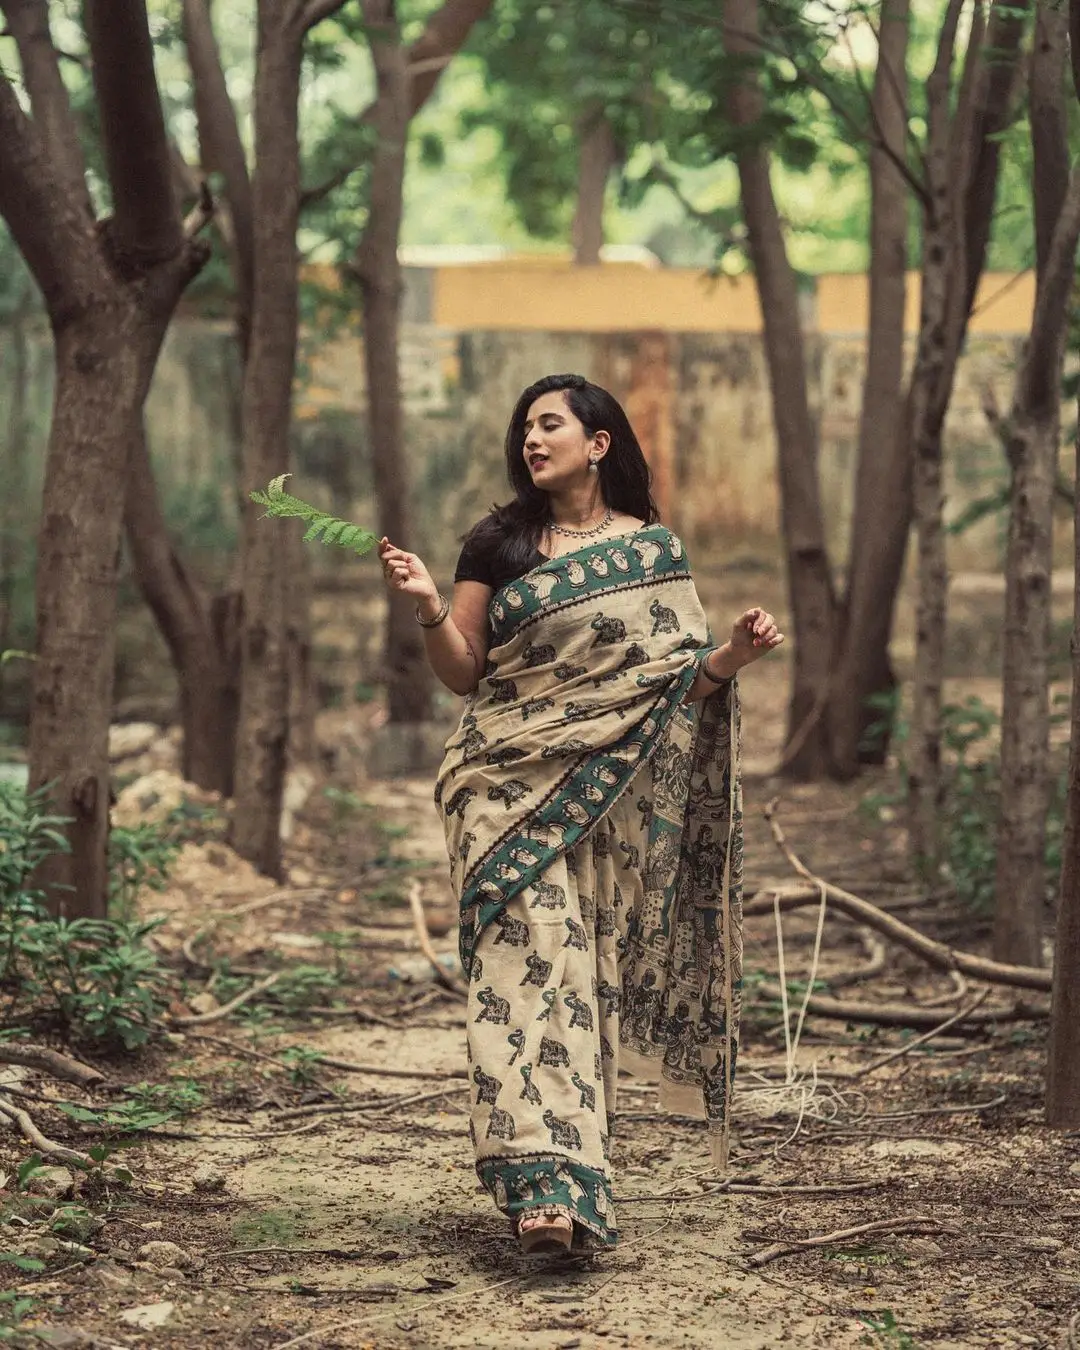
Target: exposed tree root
{"points": [[52, 1062], [908, 1223], [16, 1116]]}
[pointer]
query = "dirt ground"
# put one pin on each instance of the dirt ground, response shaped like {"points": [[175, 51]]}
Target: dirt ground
{"points": [[366, 1226]]}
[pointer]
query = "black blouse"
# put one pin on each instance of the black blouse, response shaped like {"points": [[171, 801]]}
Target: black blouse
{"points": [[477, 564]]}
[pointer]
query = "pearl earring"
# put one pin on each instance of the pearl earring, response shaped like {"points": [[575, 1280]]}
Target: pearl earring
{"points": [[593, 466]]}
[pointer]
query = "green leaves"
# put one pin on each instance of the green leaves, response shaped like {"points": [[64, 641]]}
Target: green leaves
{"points": [[321, 524]]}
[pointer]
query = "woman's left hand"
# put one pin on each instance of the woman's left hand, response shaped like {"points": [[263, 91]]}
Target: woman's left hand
{"points": [[753, 634]]}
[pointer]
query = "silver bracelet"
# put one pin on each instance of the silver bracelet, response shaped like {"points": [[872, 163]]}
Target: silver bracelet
{"points": [[444, 610], [704, 669]]}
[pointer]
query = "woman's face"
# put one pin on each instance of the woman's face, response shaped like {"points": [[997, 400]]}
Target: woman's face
{"points": [[557, 445]]}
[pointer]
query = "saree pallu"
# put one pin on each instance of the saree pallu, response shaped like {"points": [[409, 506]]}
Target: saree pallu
{"points": [[594, 827]]}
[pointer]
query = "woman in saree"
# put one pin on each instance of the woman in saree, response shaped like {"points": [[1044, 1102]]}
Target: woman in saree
{"points": [[591, 802]]}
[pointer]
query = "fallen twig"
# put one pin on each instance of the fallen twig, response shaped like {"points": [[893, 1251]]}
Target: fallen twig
{"points": [[51, 1062], [908, 1223], [746, 1188], [894, 1055], [215, 1015], [249, 907], [383, 1103], [935, 953], [874, 965], [442, 976], [903, 1015], [47, 1147], [329, 1062], [999, 1100]]}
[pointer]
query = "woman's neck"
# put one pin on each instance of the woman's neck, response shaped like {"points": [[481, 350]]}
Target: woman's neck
{"points": [[577, 509]]}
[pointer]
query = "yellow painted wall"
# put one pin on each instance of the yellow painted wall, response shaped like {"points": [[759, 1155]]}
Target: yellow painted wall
{"points": [[539, 294], [1004, 303], [610, 298]]}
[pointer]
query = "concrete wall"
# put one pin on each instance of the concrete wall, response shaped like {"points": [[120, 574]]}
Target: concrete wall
{"points": [[684, 354]]}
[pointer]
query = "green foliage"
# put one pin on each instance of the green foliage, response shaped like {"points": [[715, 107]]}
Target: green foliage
{"points": [[887, 1330], [321, 524], [93, 979], [303, 1065], [139, 855], [972, 795], [147, 1106]]}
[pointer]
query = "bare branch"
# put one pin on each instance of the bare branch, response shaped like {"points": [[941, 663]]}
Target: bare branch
{"points": [[1037, 387], [28, 23], [146, 226], [315, 11], [55, 238], [443, 37], [1049, 125], [1074, 43], [201, 214], [220, 143]]}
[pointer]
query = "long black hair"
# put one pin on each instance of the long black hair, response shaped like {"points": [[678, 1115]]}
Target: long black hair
{"points": [[510, 534]]}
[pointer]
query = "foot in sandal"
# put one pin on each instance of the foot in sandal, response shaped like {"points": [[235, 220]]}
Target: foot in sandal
{"points": [[544, 1233]]}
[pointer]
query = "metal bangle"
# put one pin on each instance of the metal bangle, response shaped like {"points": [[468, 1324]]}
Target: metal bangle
{"points": [[444, 610], [704, 669]]}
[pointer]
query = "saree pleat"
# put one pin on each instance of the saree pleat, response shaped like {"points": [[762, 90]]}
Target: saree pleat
{"points": [[593, 822]]}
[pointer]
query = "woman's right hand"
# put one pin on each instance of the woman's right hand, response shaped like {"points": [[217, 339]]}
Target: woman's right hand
{"points": [[404, 572]]}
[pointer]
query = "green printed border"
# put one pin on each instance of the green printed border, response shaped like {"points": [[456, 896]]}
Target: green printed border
{"points": [[476, 910]]}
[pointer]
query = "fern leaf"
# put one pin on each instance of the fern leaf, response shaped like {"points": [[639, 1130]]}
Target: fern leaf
{"points": [[322, 526]]}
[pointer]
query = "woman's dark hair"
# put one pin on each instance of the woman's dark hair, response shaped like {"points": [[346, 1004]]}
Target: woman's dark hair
{"points": [[510, 534]]}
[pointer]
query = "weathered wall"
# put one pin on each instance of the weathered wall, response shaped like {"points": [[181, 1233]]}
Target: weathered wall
{"points": [[699, 399]]}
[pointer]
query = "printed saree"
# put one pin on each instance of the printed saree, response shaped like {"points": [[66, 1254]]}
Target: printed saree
{"points": [[593, 824]]}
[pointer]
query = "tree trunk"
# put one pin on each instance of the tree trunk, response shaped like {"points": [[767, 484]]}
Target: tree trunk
{"points": [[1063, 1056], [102, 371], [1031, 443], [942, 321], [12, 539], [109, 288], [377, 267], [596, 160], [203, 650], [813, 605], [263, 731], [881, 516]]}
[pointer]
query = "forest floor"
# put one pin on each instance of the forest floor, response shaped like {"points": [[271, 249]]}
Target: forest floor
{"points": [[363, 1225]]}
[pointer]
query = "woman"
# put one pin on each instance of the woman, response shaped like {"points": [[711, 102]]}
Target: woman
{"points": [[591, 802]]}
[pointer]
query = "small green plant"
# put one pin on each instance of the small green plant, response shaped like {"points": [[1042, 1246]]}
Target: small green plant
{"points": [[14, 1307], [303, 1065], [271, 1228], [888, 1330], [92, 979], [138, 856], [304, 987], [321, 524]]}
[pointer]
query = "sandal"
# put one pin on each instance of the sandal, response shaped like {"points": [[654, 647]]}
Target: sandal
{"points": [[541, 1234]]}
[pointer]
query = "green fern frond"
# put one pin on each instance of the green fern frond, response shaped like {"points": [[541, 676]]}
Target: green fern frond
{"points": [[321, 524]]}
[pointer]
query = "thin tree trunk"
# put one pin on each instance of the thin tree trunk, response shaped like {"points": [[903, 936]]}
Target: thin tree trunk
{"points": [[1031, 443], [596, 159], [1063, 1055], [882, 506], [204, 656], [263, 731], [813, 605], [11, 552], [1063, 1060], [942, 322], [379, 272]]}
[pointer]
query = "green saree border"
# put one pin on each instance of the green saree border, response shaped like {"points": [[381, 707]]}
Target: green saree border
{"points": [[521, 600], [569, 811], [553, 1181]]}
